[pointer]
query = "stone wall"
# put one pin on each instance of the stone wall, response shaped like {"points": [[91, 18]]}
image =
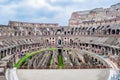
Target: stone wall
{"points": [[96, 17]]}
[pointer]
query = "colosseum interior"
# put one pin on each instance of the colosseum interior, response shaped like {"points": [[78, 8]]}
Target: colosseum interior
{"points": [[89, 45]]}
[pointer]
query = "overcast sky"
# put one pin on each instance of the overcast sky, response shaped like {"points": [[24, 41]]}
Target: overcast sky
{"points": [[46, 11]]}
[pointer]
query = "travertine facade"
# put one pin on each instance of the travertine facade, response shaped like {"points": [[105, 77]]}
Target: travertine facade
{"points": [[26, 24], [96, 17]]}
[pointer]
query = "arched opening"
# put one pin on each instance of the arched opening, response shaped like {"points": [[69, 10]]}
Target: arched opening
{"points": [[59, 42], [71, 41], [47, 41], [58, 31], [15, 34], [107, 26], [8, 51], [29, 33], [19, 33], [2, 54], [113, 31], [76, 29], [88, 32], [23, 33], [68, 32], [93, 30], [117, 31], [96, 60], [65, 32], [92, 58], [71, 32], [113, 51], [109, 31], [79, 28], [59, 51]]}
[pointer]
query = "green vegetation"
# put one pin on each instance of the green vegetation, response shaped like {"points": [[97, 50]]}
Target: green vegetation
{"points": [[24, 58], [60, 62]]}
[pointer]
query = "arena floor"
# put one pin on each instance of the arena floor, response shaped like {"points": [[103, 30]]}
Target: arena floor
{"points": [[66, 74]]}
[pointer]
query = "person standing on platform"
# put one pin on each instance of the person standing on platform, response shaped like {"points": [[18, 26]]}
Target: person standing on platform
{"points": [[11, 72]]}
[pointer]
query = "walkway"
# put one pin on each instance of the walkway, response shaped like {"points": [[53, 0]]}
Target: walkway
{"points": [[63, 74], [114, 75]]}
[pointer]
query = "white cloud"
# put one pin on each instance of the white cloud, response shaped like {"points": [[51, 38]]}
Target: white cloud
{"points": [[3, 1], [36, 3], [67, 1], [78, 0], [59, 0], [7, 9], [31, 10]]}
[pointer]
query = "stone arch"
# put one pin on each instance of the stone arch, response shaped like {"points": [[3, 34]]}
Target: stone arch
{"points": [[83, 28], [29, 33], [88, 32], [23, 33], [71, 41], [76, 29], [38, 33], [113, 31], [58, 31], [20, 33], [47, 40], [109, 31], [65, 33], [68, 32], [117, 31], [107, 26], [79, 28], [92, 58], [2, 54], [96, 60], [93, 29], [72, 29], [15, 33], [59, 41]]}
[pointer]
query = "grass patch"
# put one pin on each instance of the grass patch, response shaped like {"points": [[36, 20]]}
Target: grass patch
{"points": [[60, 62]]}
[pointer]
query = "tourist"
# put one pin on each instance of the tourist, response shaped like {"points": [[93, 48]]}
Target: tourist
{"points": [[11, 72]]}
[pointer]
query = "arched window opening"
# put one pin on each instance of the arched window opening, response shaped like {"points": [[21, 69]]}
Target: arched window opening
{"points": [[113, 31], [117, 31], [59, 42], [29, 33], [109, 31], [93, 30]]}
